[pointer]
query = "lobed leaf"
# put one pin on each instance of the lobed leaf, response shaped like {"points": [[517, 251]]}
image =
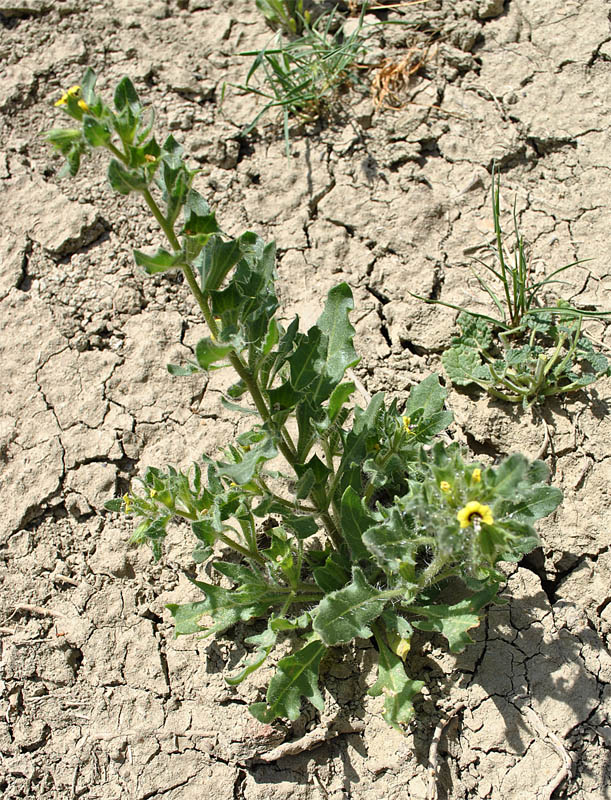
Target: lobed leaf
{"points": [[297, 677], [461, 363], [398, 690], [346, 614], [454, 621]]}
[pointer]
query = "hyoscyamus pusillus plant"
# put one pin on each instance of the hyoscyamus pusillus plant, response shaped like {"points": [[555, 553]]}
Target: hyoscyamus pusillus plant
{"points": [[373, 513]]}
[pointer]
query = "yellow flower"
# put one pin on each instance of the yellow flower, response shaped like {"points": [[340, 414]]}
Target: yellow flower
{"points": [[406, 423], [73, 91], [474, 512], [83, 105], [153, 492], [128, 503], [150, 158], [476, 475], [444, 486]]}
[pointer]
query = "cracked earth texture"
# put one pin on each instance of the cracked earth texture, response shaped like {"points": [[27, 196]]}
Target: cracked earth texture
{"points": [[98, 699]]}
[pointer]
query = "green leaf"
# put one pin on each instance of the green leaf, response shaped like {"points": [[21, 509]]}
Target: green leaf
{"points": [[215, 261], [161, 261], [339, 395], [209, 351], [297, 677], [476, 332], [181, 371], [225, 606], [345, 615], [453, 622], [398, 689], [429, 395], [393, 544], [88, 82], [126, 96], [302, 526], [265, 642], [355, 520], [537, 503], [97, 133], [125, 181], [335, 324], [508, 475], [333, 575], [242, 472], [116, 504], [461, 363]]}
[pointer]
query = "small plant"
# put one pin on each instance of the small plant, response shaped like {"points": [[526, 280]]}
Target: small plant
{"points": [[531, 351], [287, 15], [302, 76], [373, 526]]}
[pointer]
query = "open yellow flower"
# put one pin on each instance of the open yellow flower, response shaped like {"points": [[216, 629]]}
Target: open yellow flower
{"points": [[444, 486], [73, 91], [474, 512], [476, 475]]}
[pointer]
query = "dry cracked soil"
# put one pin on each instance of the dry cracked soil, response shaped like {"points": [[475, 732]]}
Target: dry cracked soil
{"points": [[98, 700]]}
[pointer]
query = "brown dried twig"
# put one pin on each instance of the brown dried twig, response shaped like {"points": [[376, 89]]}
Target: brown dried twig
{"points": [[391, 82]]}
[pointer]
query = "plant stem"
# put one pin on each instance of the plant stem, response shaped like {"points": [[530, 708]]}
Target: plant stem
{"points": [[240, 548]]}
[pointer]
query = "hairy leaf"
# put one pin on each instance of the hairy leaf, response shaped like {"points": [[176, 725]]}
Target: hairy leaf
{"points": [[297, 677], [355, 520], [453, 622], [161, 261], [346, 614], [399, 690], [429, 395], [225, 606], [209, 351], [461, 363]]}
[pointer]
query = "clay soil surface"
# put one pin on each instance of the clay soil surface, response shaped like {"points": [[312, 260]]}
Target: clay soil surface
{"points": [[98, 699]]}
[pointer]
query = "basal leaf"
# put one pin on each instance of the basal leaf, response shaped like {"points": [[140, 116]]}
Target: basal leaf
{"points": [[296, 677], [461, 362], [476, 332], [398, 689], [346, 614], [265, 642], [225, 606], [454, 621], [333, 575]]}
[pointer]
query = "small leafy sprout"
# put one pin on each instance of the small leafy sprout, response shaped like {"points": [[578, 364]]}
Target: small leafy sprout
{"points": [[530, 351], [475, 513], [370, 514]]}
